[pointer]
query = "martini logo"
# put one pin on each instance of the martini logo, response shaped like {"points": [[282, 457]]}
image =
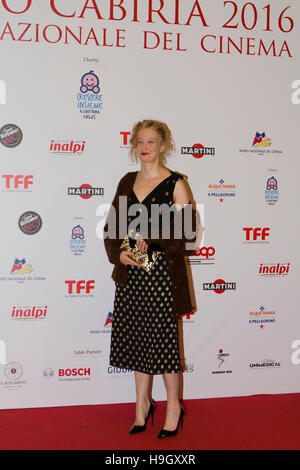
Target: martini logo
{"points": [[67, 147], [10, 135], [20, 267], [271, 191], [86, 191], [219, 286], [221, 190], [198, 151], [30, 223], [274, 270], [89, 100]]}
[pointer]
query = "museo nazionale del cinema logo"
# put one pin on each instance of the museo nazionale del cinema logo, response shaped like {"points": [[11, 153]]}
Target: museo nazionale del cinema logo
{"points": [[89, 98], [261, 145]]}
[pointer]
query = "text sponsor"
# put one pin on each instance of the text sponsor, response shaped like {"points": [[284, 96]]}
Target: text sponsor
{"points": [[198, 151], [85, 191], [67, 147], [219, 286], [274, 269], [266, 364], [256, 234], [118, 373], [222, 191], [201, 256], [75, 374], [28, 313], [14, 183], [81, 288], [262, 317]]}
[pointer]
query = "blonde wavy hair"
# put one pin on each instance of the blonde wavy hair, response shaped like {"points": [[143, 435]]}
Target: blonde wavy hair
{"points": [[162, 131]]}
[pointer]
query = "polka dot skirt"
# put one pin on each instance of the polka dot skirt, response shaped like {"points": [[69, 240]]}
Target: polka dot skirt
{"points": [[144, 330]]}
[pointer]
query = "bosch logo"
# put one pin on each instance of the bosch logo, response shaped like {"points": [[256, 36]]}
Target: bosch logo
{"points": [[74, 372]]}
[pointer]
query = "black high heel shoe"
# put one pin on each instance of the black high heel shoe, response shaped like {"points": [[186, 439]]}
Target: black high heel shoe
{"points": [[165, 433], [135, 428]]}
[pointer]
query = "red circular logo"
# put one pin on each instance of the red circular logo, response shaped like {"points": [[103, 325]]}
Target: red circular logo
{"points": [[198, 155], [86, 196], [219, 291]]}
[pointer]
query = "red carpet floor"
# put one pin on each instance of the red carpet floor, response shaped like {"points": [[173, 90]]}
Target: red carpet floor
{"points": [[263, 422]]}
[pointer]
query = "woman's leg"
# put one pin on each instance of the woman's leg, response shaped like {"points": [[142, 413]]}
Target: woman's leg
{"points": [[173, 407], [143, 386]]}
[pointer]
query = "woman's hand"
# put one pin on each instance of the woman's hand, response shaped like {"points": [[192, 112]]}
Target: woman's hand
{"points": [[124, 258], [141, 244]]}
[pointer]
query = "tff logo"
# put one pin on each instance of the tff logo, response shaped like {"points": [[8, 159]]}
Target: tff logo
{"points": [[257, 233], [125, 136], [17, 181], [78, 286]]}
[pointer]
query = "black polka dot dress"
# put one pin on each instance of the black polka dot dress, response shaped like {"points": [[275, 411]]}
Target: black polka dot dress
{"points": [[144, 329]]}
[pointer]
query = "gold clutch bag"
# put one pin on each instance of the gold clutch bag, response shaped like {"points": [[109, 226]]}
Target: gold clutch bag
{"points": [[147, 262]]}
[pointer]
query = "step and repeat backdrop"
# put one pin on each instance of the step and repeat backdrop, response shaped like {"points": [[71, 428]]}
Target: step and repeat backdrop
{"points": [[75, 76]]}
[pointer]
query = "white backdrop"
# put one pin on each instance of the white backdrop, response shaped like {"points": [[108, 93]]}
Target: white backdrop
{"points": [[220, 74]]}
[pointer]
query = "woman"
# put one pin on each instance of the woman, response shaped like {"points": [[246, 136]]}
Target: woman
{"points": [[147, 304]]}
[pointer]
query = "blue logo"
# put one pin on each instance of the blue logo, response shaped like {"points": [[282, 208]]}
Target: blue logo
{"points": [[77, 241], [271, 191], [89, 100]]}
